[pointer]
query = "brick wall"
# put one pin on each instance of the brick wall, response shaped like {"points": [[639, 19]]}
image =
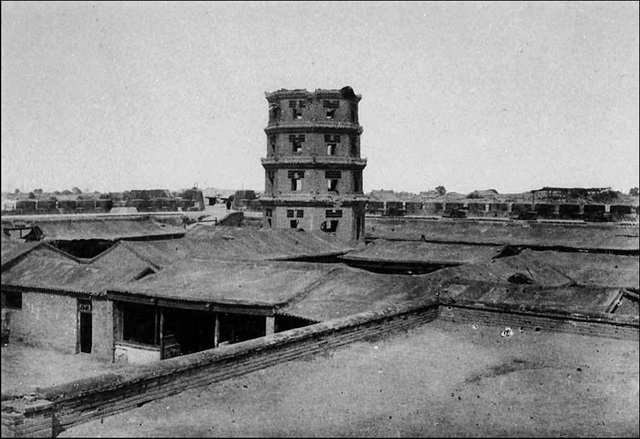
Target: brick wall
{"points": [[28, 418], [532, 321], [44, 314]]}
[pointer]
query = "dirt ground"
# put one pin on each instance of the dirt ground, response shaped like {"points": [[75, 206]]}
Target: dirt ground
{"points": [[26, 367], [440, 379]]}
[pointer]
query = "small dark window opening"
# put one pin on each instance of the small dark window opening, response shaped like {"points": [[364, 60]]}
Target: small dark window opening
{"points": [[297, 142], [269, 221], [331, 148], [271, 175], [357, 182], [353, 147], [268, 213], [296, 185], [331, 113], [11, 300], [272, 143], [139, 323], [333, 213], [293, 224], [329, 226], [289, 213], [332, 185], [299, 213]]}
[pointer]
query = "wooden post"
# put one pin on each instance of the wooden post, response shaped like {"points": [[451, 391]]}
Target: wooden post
{"points": [[216, 330], [270, 325]]}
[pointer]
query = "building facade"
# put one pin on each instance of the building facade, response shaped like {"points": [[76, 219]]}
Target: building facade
{"points": [[313, 167]]}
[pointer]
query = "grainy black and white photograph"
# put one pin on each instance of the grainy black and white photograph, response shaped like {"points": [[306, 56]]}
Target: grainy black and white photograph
{"points": [[320, 219]]}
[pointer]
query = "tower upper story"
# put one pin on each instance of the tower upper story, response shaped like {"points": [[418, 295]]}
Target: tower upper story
{"points": [[313, 137]]}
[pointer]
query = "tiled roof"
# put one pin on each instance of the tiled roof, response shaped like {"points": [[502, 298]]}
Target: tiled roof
{"points": [[423, 252], [105, 229], [592, 237], [251, 283]]}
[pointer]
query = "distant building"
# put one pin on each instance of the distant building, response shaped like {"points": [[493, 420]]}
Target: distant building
{"points": [[313, 168]]}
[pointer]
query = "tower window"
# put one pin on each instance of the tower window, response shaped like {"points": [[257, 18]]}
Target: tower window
{"points": [[268, 213], [294, 224], [297, 143], [336, 213], [297, 112], [330, 107], [357, 181], [353, 146], [299, 213], [332, 185], [289, 213], [331, 148], [271, 175], [272, 143]]}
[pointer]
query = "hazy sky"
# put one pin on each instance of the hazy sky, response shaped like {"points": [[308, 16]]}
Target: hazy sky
{"points": [[511, 96]]}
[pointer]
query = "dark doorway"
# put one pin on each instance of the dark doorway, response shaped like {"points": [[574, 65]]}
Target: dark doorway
{"points": [[86, 332]]}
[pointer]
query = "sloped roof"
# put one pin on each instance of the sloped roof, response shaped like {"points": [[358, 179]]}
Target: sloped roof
{"points": [[515, 233], [107, 229], [423, 252], [535, 298], [48, 268], [345, 291], [272, 244], [589, 269], [250, 283], [14, 249]]}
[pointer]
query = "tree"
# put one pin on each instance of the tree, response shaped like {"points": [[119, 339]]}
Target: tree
{"points": [[76, 191], [633, 191], [17, 191], [441, 191], [38, 192]]}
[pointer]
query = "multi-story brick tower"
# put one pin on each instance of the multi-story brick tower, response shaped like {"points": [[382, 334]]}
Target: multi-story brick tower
{"points": [[313, 165]]}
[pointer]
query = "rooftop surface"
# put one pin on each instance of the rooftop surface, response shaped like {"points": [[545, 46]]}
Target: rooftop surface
{"points": [[605, 237], [437, 380]]}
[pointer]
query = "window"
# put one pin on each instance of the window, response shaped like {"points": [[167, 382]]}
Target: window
{"points": [[296, 180], [353, 146], [331, 148], [299, 213], [289, 213], [293, 224], [271, 175], [330, 108], [268, 213], [336, 213], [332, 185], [329, 226], [11, 300], [272, 143], [297, 112], [297, 142], [357, 181]]}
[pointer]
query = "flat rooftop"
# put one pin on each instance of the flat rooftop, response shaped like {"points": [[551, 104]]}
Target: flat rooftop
{"points": [[437, 380]]}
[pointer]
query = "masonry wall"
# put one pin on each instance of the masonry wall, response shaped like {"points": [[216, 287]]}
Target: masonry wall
{"points": [[530, 321], [47, 320], [51, 321]]}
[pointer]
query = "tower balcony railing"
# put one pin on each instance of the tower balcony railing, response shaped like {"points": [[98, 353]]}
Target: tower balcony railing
{"points": [[314, 160]]}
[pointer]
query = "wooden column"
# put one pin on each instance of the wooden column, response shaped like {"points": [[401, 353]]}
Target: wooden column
{"points": [[270, 325], [216, 330]]}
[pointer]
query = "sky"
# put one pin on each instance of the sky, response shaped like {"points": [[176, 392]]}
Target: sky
{"points": [[511, 96]]}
